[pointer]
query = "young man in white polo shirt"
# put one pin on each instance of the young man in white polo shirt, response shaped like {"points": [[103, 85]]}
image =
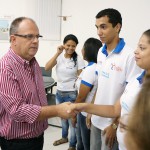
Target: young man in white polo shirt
{"points": [[115, 66]]}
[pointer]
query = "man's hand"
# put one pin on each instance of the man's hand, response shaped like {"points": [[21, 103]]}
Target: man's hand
{"points": [[110, 135], [88, 121], [65, 111]]}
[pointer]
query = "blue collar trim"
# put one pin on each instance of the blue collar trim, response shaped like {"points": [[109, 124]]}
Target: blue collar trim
{"points": [[90, 63], [140, 78], [118, 48]]}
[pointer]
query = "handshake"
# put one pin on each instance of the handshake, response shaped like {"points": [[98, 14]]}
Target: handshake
{"points": [[69, 110]]}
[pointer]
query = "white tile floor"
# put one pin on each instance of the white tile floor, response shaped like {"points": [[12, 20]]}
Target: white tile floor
{"points": [[52, 134]]}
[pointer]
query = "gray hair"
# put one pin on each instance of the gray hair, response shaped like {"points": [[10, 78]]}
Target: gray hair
{"points": [[15, 24]]}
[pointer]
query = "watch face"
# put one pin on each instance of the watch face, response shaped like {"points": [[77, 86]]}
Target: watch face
{"points": [[114, 126]]}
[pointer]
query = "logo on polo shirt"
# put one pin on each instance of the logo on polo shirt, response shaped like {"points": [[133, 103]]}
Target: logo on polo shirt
{"points": [[105, 74], [125, 106], [115, 67]]}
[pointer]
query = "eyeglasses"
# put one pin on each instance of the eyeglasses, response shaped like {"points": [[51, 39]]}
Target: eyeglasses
{"points": [[29, 36]]}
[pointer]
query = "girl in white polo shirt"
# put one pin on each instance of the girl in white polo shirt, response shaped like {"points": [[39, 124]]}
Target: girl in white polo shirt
{"points": [[87, 85], [128, 98], [138, 126], [68, 66]]}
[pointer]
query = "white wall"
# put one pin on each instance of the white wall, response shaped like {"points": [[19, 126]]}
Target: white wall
{"points": [[17, 8], [135, 16]]}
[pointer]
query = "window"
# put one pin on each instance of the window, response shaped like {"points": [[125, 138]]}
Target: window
{"points": [[47, 19]]}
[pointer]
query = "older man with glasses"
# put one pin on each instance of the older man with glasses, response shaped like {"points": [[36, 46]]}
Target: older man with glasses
{"points": [[23, 104]]}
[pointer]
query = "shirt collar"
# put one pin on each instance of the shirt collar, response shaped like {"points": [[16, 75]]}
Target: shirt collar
{"points": [[118, 48], [140, 78], [20, 59], [90, 63]]}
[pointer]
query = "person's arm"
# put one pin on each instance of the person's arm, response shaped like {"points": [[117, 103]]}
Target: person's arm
{"points": [[110, 133], [93, 100], [84, 89], [80, 64], [87, 82], [83, 92], [52, 62], [110, 111], [115, 123], [79, 71], [88, 118]]}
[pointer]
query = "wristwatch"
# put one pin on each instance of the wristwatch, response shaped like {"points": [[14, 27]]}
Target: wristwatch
{"points": [[114, 126]]}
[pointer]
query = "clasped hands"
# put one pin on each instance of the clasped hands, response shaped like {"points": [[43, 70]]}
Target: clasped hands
{"points": [[68, 110]]}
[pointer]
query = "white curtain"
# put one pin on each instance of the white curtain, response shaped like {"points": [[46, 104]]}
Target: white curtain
{"points": [[47, 19]]}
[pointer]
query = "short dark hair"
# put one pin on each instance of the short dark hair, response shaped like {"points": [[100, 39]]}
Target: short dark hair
{"points": [[91, 48], [113, 15]]}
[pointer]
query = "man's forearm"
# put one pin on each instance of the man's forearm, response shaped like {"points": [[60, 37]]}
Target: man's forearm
{"points": [[47, 112]]}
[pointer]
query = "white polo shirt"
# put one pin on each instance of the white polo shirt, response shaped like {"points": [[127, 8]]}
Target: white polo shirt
{"points": [[66, 72], [127, 101], [115, 71], [88, 77]]}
